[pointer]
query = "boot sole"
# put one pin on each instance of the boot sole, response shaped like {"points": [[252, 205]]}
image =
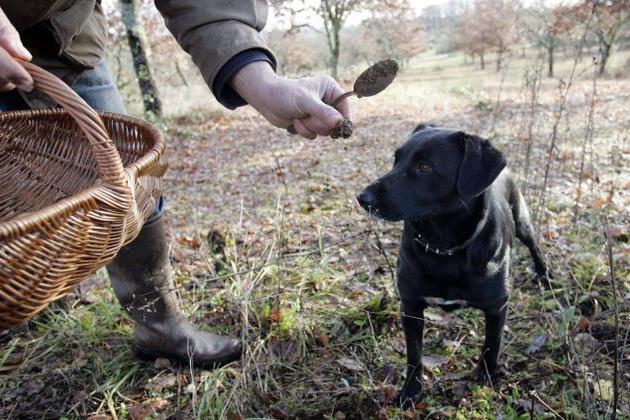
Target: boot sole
{"points": [[150, 355]]}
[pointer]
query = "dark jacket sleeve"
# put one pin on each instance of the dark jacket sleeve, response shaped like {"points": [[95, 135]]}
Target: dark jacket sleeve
{"points": [[215, 31]]}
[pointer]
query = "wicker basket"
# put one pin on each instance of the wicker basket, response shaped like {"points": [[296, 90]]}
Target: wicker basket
{"points": [[74, 188]]}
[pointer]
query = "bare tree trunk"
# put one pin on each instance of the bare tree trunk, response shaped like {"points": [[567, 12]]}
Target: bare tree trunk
{"points": [[604, 55], [334, 53], [150, 98], [550, 61], [499, 58], [482, 60]]}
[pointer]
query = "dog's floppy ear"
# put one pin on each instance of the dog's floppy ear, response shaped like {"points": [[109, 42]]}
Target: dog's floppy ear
{"points": [[480, 166], [421, 127]]}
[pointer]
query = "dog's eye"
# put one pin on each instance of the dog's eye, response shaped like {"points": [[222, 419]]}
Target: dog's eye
{"points": [[424, 167]]}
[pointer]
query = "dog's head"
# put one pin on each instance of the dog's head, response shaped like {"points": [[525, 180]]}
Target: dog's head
{"points": [[435, 171]]}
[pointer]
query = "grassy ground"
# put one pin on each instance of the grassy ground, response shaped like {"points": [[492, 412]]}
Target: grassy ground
{"points": [[269, 245]]}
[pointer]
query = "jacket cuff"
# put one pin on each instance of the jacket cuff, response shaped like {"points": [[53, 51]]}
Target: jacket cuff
{"points": [[221, 87]]}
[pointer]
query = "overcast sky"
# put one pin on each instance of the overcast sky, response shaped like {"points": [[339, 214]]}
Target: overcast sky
{"points": [[354, 19]]}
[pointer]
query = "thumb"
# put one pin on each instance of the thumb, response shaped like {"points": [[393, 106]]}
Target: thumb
{"points": [[10, 39], [316, 108]]}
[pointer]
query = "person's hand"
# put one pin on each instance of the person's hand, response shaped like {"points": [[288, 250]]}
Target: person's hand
{"points": [[301, 102], [11, 73]]}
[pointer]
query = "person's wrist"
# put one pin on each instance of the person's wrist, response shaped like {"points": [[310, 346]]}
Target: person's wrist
{"points": [[254, 80]]}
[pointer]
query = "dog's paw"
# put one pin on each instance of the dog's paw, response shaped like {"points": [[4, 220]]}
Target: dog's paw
{"points": [[409, 395]]}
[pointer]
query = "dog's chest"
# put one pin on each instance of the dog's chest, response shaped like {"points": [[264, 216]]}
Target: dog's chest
{"points": [[450, 283]]}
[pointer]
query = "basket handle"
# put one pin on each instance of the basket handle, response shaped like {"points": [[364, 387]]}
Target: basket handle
{"points": [[108, 163]]}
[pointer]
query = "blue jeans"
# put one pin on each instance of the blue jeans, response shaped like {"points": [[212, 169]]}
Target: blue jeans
{"points": [[96, 86]]}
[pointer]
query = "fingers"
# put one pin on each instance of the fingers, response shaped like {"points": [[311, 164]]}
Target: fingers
{"points": [[12, 73], [303, 130], [6, 86], [10, 39], [316, 126], [315, 108]]}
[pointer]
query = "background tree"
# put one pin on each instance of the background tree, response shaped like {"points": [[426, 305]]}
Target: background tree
{"points": [[546, 27], [501, 18], [609, 17], [440, 22], [334, 16], [472, 37], [292, 60], [133, 29], [396, 33], [489, 25]]}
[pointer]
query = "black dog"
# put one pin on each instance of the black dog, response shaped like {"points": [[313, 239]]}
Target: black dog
{"points": [[461, 210]]}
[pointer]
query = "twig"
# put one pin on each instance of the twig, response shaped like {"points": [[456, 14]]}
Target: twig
{"points": [[613, 282], [505, 69], [540, 400], [563, 102], [531, 122], [381, 249], [588, 137]]}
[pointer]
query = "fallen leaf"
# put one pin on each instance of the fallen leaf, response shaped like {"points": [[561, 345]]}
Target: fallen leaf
{"points": [[278, 412], [160, 404], [419, 406], [550, 234], [433, 361], [386, 394], [586, 343], [600, 202], [583, 324], [162, 363], [619, 232], [459, 389], [604, 388], [192, 241], [275, 315], [435, 317], [351, 365], [164, 381], [177, 255], [323, 339], [139, 411], [264, 397], [99, 417], [537, 343]]}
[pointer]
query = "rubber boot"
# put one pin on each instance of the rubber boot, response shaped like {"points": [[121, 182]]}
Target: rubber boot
{"points": [[141, 277]]}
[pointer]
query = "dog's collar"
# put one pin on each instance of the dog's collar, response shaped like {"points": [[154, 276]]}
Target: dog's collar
{"points": [[450, 251], [438, 251]]}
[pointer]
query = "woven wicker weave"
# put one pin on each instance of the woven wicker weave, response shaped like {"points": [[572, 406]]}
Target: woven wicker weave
{"points": [[74, 188]]}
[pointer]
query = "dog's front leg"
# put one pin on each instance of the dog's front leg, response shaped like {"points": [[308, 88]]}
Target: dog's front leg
{"points": [[412, 315], [495, 321]]}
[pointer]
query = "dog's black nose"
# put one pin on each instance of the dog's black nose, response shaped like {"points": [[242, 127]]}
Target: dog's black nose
{"points": [[366, 199]]}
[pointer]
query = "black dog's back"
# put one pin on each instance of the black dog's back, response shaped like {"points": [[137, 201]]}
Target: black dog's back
{"points": [[505, 191]]}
